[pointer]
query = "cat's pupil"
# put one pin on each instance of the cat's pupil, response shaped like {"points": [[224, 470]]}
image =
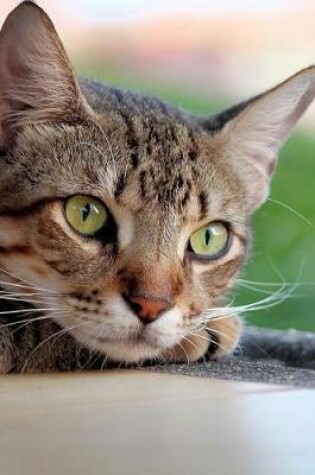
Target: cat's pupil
{"points": [[208, 236], [85, 212]]}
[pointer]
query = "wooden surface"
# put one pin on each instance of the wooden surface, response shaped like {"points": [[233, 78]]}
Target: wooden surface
{"points": [[130, 422]]}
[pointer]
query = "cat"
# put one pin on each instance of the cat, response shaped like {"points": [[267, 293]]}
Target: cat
{"points": [[124, 221]]}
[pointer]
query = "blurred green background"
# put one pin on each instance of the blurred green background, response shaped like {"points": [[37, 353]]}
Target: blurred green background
{"points": [[284, 230]]}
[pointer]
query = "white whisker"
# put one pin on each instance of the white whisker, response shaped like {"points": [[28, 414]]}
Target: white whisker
{"points": [[20, 299], [275, 298], [25, 322], [55, 335], [51, 315], [185, 352], [294, 211], [29, 285], [202, 337], [27, 310], [193, 344], [255, 289], [104, 362]]}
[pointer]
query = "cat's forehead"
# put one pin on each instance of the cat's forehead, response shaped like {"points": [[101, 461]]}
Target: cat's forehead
{"points": [[162, 151], [162, 163], [162, 158], [139, 151]]}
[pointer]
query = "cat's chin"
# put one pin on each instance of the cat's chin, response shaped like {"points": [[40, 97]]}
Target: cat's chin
{"points": [[135, 349], [128, 351]]}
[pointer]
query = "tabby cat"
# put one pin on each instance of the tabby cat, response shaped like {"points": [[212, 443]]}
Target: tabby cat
{"points": [[123, 220]]}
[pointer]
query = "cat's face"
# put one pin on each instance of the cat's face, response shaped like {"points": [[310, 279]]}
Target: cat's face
{"points": [[130, 216], [143, 250]]}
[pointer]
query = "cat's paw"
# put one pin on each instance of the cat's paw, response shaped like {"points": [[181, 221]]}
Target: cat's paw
{"points": [[218, 339], [225, 334]]}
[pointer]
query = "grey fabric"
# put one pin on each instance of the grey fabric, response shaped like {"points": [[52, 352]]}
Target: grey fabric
{"points": [[293, 348], [269, 356]]}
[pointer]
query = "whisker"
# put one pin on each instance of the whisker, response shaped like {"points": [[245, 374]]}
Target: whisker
{"points": [[202, 337], [104, 362], [25, 322], [35, 319], [23, 293], [19, 299], [255, 289], [12, 284], [27, 310], [216, 313], [193, 344], [29, 285], [294, 211], [228, 337], [264, 284], [90, 360], [55, 335], [186, 354], [156, 359]]}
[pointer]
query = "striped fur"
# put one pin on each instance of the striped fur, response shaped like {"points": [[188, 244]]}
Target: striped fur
{"points": [[161, 172]]}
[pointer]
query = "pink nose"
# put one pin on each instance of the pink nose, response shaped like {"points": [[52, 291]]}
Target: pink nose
{"points": [[148, 309]]}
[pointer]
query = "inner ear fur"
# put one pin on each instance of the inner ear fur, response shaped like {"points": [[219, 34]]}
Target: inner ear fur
{"points": [[253, 136]]}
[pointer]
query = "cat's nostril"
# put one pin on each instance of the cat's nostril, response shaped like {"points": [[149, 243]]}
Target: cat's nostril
{"points": [[134, 306], [147, 309]]}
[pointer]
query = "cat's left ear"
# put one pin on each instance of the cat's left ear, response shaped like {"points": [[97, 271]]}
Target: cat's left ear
{"points": [[36, 79], [252, 138]]}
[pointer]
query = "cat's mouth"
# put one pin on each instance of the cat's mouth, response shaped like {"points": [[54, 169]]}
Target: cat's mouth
{"points": [[115, 331], [140, 338], [131, 341]]}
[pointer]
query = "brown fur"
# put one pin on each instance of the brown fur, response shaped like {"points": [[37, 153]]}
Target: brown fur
{"points": [[162, 174]]}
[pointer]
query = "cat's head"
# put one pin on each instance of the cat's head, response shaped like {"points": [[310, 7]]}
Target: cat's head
{"points": [[124, 218]]}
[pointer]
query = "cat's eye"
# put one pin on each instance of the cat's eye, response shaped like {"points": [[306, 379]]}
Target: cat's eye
{"points": [[85, 214], [210, 241]]}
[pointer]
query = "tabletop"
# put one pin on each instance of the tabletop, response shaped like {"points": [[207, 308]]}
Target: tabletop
{"points": [[132, 422]]}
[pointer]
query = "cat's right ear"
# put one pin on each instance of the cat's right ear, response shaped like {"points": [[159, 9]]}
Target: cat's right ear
{"points": [[36, 80], [252, 133]]}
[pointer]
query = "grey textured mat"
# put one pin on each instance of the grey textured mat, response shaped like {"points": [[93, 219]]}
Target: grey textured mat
{"points": [[269, 356]]}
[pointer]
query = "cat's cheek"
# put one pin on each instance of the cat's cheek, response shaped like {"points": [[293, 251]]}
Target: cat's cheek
{"points": [[11, 233], [25, 266]]}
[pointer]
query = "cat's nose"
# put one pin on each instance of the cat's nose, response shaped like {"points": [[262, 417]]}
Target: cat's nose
{"points": [[148, 309]]}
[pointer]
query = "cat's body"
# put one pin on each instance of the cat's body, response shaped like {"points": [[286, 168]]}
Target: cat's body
{"points": [[168, 197]]}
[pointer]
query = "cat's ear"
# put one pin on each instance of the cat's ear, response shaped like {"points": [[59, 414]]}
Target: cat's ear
{"points": [[252, 138], [36, 79]]}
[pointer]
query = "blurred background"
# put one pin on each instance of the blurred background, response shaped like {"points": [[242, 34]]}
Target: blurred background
{"points": [[204, 55]]}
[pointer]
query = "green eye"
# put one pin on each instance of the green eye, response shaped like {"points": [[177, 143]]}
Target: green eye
{"points": [[85, 214], [210, 241]]}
